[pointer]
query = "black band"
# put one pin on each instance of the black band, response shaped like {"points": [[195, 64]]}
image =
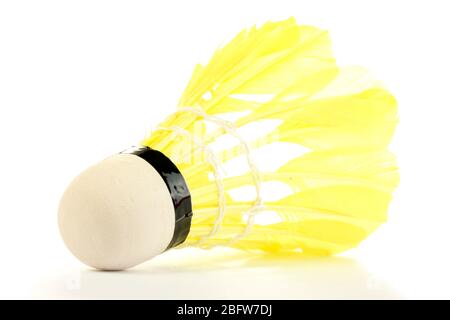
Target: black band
{"points": [[177, 187]]}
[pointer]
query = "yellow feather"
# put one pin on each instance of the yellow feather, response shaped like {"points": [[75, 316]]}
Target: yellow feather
{"points": [[340, 188]]}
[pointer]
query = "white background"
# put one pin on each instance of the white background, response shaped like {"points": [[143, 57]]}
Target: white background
{"points": [[80, 80]]}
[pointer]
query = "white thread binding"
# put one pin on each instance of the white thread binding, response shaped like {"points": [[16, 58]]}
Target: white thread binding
{"points": [[213, 161], [230, 128]]}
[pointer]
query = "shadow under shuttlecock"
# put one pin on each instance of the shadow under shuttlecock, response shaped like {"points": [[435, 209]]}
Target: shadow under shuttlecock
{"points": [[237, 275]]}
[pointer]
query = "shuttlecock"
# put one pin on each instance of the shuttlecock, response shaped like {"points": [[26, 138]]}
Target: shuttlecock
{"points": [[273, 147]]}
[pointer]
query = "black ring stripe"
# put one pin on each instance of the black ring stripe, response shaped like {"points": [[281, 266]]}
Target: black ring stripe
{"points": [[177, 187]]}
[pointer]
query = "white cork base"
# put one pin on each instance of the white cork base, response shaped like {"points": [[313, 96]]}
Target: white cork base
{"points": [[117, 214]]}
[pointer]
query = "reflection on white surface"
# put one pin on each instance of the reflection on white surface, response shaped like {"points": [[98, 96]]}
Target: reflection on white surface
{"points": [[197, 274]]}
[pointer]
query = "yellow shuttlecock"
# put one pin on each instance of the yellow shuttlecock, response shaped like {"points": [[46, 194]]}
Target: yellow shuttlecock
{"points": [[214, 174]]}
